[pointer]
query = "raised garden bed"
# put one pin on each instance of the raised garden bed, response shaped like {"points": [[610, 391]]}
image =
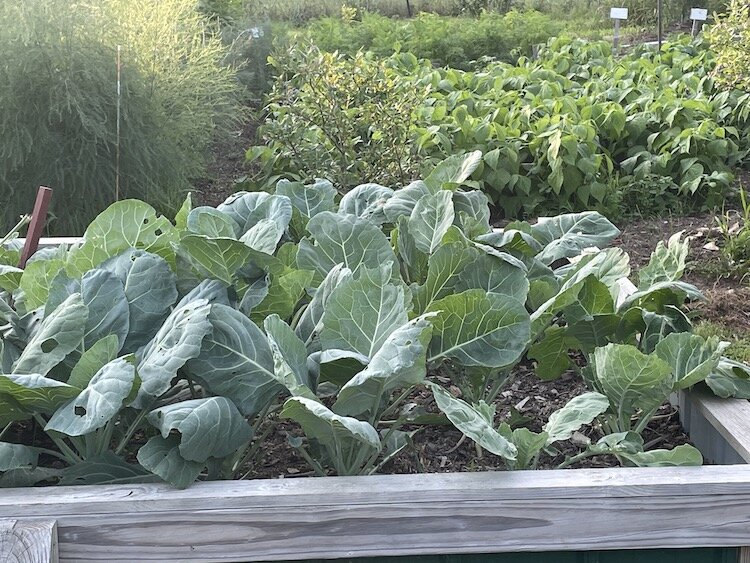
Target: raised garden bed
{"points": [[160, 351]]}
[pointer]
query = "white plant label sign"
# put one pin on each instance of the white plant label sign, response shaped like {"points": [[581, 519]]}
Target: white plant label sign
{"points": [[618, 13], [700, 14]]}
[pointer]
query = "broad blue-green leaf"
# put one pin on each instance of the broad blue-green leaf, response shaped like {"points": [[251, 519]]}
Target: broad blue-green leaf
{"points": [[309, 199], [161, 456], [150, 290], [178, 340], [343, 239], [656, 296], [631, 380], [402, 202], [28, 477], [105, 469], [101, 400], [275, 208], [216, 258], [445, 267], [60, 333], [310, 325], [235, 361], [414, 262], [210, 222], [337, 433], [14, 456], [264, 236], [289, 356], [336, 366], [254, 294], [92, 360], [730, 379], [680, 456], [240, 207], [567, 235], [516, 236], [211, 427], [495, 274], [618, 443], [472, 212], [35, 393], [366, 201], [362, 312], [477, 329], [431, 218], [667, 263], [580, 410], [691, 357], [453, 171], [474, 422], [10, 278], [400, 362], [123, 225]]}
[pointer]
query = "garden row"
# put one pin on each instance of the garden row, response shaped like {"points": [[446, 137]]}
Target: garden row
{"points": [[169, 344], [576, 129]]}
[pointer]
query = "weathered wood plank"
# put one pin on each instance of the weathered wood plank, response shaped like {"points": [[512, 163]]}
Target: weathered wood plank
{"points": [[54, 242], [339, 517], [744, 555], [730, 418], [28, 541]]}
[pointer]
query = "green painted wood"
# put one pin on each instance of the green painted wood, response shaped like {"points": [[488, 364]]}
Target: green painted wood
{"points": [[702, 555]]}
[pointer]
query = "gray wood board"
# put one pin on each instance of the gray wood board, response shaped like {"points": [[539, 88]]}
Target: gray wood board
{"points": [[28, 541], [334, 517]]}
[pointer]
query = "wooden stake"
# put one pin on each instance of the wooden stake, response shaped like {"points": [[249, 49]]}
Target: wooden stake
{"points": [[38, 219], [28, 541]]}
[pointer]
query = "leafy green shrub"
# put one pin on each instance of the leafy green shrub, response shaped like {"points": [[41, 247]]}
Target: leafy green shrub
{"points": [[730, 37], [187, 335], [58, 101], [351, 116], [651, 196], [735, 233], [455, 42]]}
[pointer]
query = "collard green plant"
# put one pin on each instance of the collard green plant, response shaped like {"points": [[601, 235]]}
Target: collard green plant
{"points": [[157, 350]]}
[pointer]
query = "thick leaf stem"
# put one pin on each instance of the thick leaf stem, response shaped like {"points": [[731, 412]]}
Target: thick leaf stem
{"points": [[319, 471], [70, 455], [131, 430], [576, 458]]}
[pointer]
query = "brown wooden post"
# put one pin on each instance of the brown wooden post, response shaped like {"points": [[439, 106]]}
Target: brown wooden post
{"points": [[38, 219]]}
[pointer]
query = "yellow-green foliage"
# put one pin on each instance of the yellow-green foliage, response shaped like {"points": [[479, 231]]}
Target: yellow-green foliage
{"points": [[730, 37], [58, 101]]}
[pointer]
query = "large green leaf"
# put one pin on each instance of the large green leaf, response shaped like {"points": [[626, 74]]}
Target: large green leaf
{"points": [[453, 171], [730, 379], [310, 325], [309, 199], [92, 360], [631, 380], [10, 278], [343, 239], [60, 333], [284, 293], [161, 456], [247, 209], [15, 456], [528, 445], [264, 236], [477, 329], [400, 362], [210, 427], [150, 290], [105, 469], [475, 422], [363, 311], [551, 352], [216, 258], [37, 280], [341, 435], [667, 263], [178, 340], [402, 202], [580, 410], [210, 222], [289, 357], [367, 201], [472, 212], [235, 361], [109, 313], [101, 400], [691, 357], [34, 393], [495, 273], [445, 267], [431, 218], [567, 235], [123, 225], [680, 456]]}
